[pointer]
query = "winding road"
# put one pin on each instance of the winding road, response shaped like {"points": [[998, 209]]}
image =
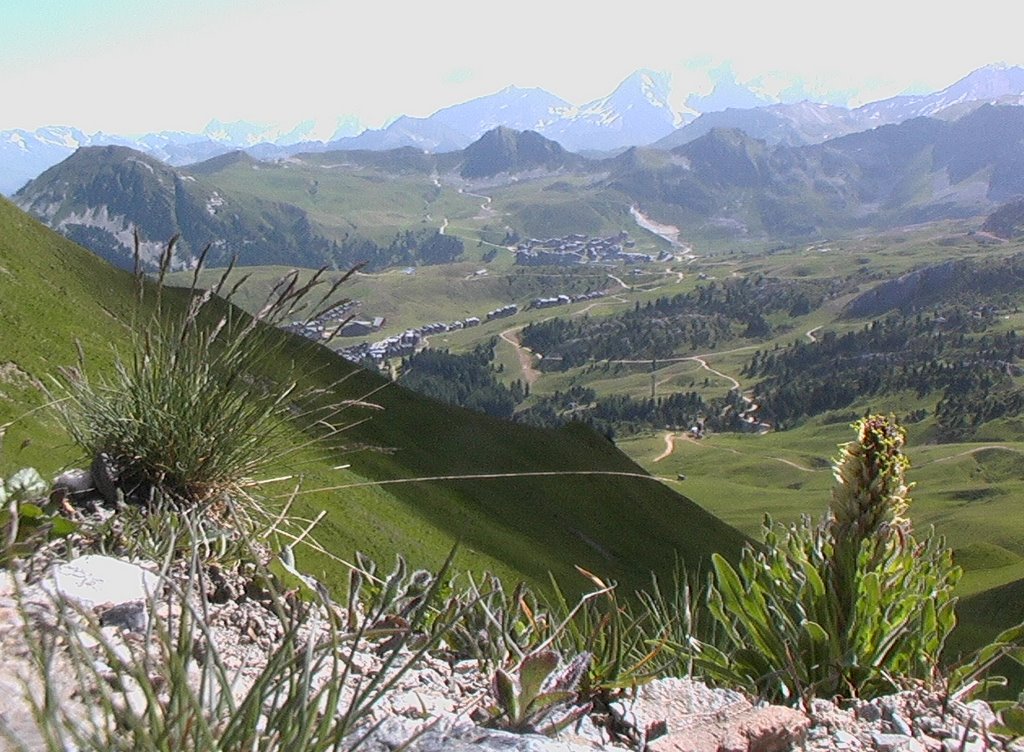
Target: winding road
{"points": [[485, 207], [704, 365], [620, 282], [672, 439], [973, 450]]}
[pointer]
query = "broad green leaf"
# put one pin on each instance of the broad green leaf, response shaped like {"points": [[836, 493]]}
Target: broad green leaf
{"points": [[282, 567], [30, 511], [547, 700], [813, 579], [562, 723], [27, 483], [62, 527], [815, 632], [1012, 719], [535, 670], [505, 691]]}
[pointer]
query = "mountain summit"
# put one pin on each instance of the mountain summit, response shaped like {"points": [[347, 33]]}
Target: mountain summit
{"points": [[504, 150], [512, 107], [993, 84], [636, 113]]}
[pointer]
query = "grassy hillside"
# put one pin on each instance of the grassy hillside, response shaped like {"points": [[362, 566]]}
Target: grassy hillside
{"points": [[571, 512]]}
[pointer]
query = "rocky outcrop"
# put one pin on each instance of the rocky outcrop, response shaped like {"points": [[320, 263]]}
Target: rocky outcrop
{"points": [[430, 707]]}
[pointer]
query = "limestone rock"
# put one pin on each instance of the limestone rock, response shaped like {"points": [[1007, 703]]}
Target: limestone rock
{"points": [[764, 729], [95, 580], [896, 743], [467, 738], [666, 706]]}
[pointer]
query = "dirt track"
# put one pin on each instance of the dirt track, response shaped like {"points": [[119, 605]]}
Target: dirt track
{"points": [[524, 354], [670, 446]]}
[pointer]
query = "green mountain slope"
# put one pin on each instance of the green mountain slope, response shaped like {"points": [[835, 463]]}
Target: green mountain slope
{"points": [[99, 194], [505, 150], [573, 498]]}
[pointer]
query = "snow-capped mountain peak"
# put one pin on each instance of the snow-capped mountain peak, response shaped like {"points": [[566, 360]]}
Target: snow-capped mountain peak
{"points": [[513, 107], [636, 112]]}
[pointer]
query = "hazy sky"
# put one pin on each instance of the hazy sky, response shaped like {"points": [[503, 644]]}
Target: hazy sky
{"points": [[130, 66]]}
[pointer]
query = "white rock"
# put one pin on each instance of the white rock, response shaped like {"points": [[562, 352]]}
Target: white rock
{"points": [[896, 743], [412, 704], [982, 713], [93, 580], [846, 740], [956, 745]]}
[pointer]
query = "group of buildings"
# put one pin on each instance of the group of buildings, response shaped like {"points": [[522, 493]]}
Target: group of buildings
{"points": [[404, 344], [325, 326], [559, 300], [408, 342], [503, 312], [579, 249], [570, 249]]}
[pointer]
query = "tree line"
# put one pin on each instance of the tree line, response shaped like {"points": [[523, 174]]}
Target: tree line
{"points": [[754, 307], [952, 352]]}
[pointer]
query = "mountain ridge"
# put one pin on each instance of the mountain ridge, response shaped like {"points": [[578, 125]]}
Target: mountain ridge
{"points": [[605, 124], [117, 190], [724, 182]]}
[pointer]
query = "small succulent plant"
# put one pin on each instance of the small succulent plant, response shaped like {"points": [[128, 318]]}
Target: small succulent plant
{"points": [[494, 626], [540, 702], [399, 595], [27, 517]]}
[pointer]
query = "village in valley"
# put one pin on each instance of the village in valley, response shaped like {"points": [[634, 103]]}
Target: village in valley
{"points": [[572, 249], [582, 249]]}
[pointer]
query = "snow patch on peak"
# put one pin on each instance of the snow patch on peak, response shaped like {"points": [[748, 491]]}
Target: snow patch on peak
{"points": [[213, 203], [654, 99], [143, 164]]}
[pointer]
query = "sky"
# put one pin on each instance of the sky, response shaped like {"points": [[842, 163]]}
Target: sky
{"points": [[134, 66]]}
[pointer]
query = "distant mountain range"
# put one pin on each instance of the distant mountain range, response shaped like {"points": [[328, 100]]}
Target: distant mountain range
{"points": [[920, 170], [811, 123], [724, 185], [637, 113]]}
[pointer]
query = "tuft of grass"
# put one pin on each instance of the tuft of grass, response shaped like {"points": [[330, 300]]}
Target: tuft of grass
{"points": [[187, 418]]}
